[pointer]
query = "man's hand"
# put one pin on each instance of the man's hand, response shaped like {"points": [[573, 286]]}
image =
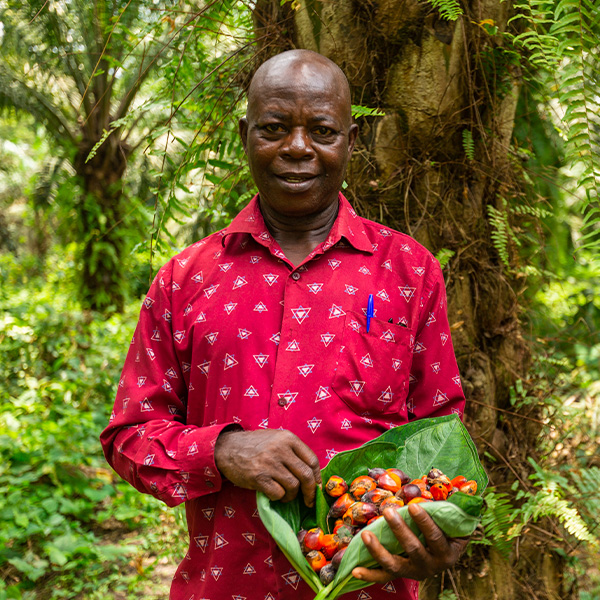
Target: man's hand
{"points": [[273, 461], [421, 562]]}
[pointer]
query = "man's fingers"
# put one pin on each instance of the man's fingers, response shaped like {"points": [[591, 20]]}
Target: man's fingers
{"points": [[275, 462], [391, 566], [304, 476], [307, 456], [270, 488], [416, 552], [434, 536], [305, 466], [372, 575]]}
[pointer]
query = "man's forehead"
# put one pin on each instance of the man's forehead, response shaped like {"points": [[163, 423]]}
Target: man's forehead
{"points": [[288, 76], [282, 73]]}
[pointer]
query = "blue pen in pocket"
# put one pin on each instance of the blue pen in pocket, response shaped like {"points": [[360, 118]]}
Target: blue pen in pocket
{"points": [[369, 311]]}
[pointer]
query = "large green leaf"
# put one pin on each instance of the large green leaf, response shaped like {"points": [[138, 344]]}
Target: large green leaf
{"points": [[441, 442], [284, 531]]}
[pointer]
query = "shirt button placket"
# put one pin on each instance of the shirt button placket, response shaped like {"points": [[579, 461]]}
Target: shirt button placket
{"points": [[284, 390]]}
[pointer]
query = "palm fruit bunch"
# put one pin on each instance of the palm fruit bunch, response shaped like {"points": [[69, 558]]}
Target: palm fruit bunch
{"points": [[362, 502]]}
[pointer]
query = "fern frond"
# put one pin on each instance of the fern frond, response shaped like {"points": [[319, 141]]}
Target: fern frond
{"points": [[497, 521], [365, 111], [534, 211], [443, 256], [447, 595], [562, 40], [468, 144], [500, 232], [449, 9], [549, 503]]}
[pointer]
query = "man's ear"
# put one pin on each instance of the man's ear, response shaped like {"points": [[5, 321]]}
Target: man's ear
{"points": [[243, 128], [352, 134]]}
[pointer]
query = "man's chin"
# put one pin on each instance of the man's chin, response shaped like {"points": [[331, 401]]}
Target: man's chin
{"points": [[297, 207]]}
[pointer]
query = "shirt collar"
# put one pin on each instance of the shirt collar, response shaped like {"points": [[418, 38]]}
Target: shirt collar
{"points": [[347, 225]]}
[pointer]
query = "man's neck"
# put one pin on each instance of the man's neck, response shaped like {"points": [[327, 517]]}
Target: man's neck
{"points": [[299, 236]]}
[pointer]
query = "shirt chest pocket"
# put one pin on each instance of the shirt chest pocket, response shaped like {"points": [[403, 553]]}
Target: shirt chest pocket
{"points": [[373, 368]]}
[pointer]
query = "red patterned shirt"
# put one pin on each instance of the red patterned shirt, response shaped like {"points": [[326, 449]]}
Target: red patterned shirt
{"points": [[231, 332]]}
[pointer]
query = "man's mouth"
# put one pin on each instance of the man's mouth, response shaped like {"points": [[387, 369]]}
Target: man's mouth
{"points": [[296, 178]]}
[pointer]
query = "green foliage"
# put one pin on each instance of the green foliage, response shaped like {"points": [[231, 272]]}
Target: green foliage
{"points": [[79, 68], [497, 521], [502, 233], [365, 111], [447, 595], [449, 9], [200, 168], [560, 41], [57, 380], [550, 502], [444, 256], [468, 144]]}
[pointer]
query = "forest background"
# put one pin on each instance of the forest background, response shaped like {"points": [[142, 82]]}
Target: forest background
{"points": [[118, 147]]}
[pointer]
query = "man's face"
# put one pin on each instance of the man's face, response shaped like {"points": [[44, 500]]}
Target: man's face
{"points": [[298, 136]]}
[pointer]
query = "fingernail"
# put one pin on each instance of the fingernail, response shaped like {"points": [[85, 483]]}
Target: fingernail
{"points": [[391, 513]]}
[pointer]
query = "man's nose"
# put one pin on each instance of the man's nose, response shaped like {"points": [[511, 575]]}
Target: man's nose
{"points": [[298, 143]]}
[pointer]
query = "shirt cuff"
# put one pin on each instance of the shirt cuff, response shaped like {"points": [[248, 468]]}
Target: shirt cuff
{"points": [[197, 451]]}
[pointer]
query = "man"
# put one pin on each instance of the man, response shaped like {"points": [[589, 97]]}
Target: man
{"points": [[251, 365]]}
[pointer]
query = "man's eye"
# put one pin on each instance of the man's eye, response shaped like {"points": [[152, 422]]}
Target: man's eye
{"points": [[321, 130], [273, 128]]}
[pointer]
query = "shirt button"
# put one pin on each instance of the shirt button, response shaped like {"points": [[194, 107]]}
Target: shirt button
{"points": [[295, 276], [282, 401], [209, 484]]}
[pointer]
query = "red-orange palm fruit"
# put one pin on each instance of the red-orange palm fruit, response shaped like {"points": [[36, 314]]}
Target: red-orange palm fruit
{"points": [[359, 513], [376, 496], [390, 482], [458, 481], [376, 473], [421, 483], [338, 523], [404, 478], [327, 574], [420, 499], [344, 535], [337, 559], [361, 485], [445, 481], [434, 474], [316, 560], [393, 501], [301, 535], [340, 506], [313, 540], [330, 546], [438, 491], [374, 519], [408, 492], [336, 486], [427, 494], [470, 487]]}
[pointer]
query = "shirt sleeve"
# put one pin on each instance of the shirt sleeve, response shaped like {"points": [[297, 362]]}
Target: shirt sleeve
{"points": [[147, 441], [434, 387]]}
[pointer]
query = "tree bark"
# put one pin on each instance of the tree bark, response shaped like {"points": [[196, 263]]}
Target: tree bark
{"points": [[436, 79], [101, 212]]}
